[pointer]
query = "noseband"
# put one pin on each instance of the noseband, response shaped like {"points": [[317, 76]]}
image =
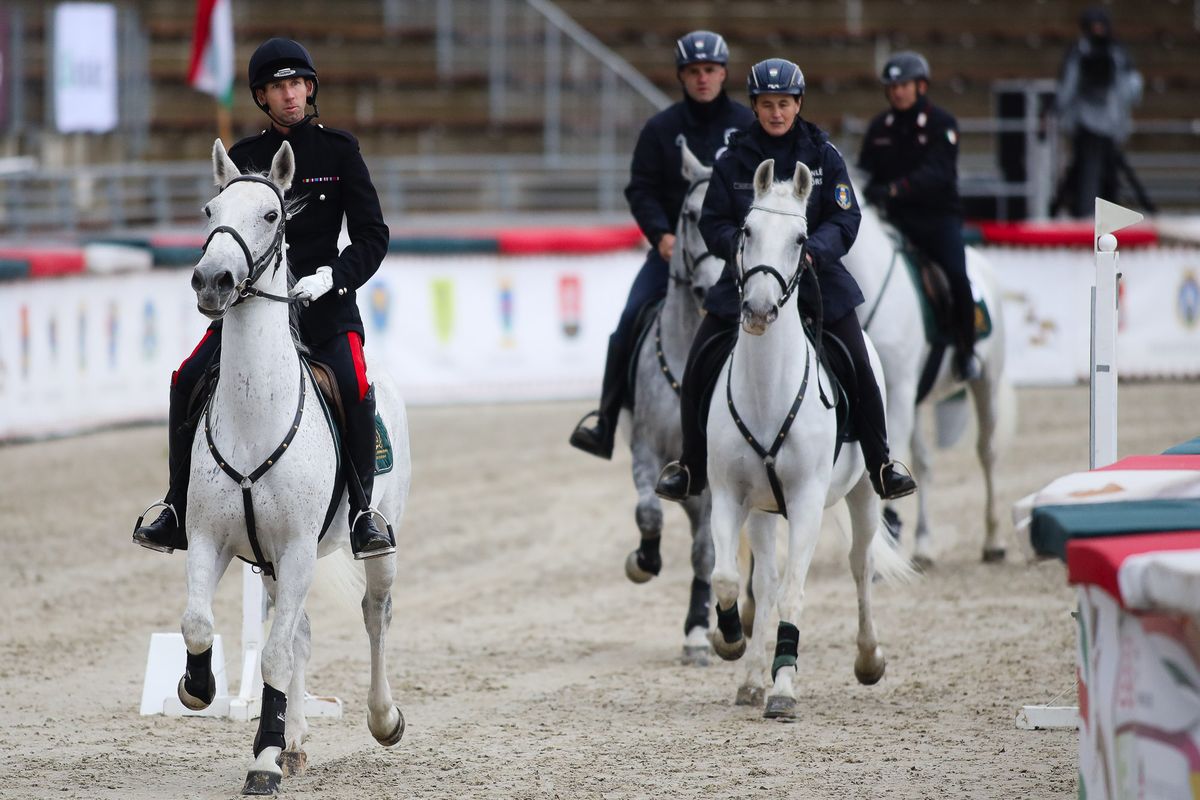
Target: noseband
{"points": [[273, 255], [786, 286]]}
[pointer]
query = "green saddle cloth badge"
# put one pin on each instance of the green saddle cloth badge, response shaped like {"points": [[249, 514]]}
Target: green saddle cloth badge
{"points": [[383, 448]]}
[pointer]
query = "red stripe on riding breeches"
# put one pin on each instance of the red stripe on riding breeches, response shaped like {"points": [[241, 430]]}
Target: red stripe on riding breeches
{"points": [[182, 364], [360, 363]]}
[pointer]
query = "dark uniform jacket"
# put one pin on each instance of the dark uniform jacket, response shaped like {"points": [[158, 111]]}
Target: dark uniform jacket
{"points": [[656, 188], [917, 152], [331, 180], [833, 213]]}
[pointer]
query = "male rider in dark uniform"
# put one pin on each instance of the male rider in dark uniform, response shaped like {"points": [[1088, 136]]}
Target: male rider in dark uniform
{"points": [[911, 153], [331, 180], [705, 118]]}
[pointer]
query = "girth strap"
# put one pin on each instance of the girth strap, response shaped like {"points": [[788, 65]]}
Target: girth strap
{"points": [[246, 482], [768, 456]]}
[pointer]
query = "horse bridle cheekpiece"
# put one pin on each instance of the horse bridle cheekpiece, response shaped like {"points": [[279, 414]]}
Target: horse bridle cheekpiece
{"points": [[690, 262], [785, 285], [274, 253]]}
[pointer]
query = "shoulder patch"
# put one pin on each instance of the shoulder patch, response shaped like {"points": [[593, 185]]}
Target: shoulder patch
{"points": [[841, 194]]}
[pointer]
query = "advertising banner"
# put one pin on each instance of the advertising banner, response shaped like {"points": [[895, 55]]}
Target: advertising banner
{"points": [[85, 67]]}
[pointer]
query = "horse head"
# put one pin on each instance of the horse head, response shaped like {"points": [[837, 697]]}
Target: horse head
{"points": [[245, 232], [692, 258], [773, 237]]}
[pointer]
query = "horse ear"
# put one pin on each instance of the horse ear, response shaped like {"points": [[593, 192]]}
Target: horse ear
{"points": [[764, 176], [224, 170], [802, 181], [693, 170], [283, 167]]}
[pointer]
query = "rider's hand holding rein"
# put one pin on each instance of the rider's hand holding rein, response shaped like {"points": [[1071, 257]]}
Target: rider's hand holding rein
{"points": [[311, 287]]}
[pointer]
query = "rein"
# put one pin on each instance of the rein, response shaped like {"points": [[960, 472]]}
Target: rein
{"points": [[690, 262], [887, 278], [273, 255]]}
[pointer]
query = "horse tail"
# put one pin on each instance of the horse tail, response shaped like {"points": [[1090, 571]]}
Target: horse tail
{"points": [[340, 576], [890, 562]]}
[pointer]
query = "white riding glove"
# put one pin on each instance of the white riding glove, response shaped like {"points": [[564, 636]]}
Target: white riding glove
{"points": [[310, 287]]}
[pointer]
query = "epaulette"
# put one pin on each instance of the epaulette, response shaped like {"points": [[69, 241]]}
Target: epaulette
{"points": [[338, 132]]}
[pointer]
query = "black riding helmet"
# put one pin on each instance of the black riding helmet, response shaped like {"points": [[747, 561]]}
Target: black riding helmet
{"points": [[276, 59], [701, 47], [905, 66], [775, 76]]}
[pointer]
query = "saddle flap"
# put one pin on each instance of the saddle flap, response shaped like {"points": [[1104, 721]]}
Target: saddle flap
{"points": [[327, 385]]}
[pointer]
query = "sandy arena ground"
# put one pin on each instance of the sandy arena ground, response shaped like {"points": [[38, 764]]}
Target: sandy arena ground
{"points": [[525, 663]]}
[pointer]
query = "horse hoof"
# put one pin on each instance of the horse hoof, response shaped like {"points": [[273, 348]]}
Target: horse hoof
{"points": [[870, 677], [780, 707], [750, 696], [396, 734], [695, 655], [634, 572], [293, 762], [993, 555], [192, 702], [261, 782], [923, 563], [728, 651]]}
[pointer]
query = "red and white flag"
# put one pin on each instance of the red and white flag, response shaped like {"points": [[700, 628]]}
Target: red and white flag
{"points": [[211, 67]]}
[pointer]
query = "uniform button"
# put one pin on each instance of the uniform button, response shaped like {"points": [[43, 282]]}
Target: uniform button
{"points": [[321, 197], [341, 291]]}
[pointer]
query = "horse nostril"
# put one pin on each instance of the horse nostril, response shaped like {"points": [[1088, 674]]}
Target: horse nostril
{"points": [[225, 281], [745, 307], [698, 292], [197, 284]]}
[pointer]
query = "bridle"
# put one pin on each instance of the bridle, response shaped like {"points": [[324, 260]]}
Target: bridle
{"points": [[690, 262], [787, 286], [273, 256]]}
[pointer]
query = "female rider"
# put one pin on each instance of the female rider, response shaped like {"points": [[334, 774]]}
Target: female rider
{"points": [[776, 89]]}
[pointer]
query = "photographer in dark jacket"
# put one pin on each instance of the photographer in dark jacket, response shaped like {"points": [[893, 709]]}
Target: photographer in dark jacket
{"points": [[331, 181], [705, 118], [776, 89], [911, 154]]}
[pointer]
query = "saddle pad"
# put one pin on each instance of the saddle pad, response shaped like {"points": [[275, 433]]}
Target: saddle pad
{"points": [[936, 331], [1112, 563], [1052, 526], [384, 456]]}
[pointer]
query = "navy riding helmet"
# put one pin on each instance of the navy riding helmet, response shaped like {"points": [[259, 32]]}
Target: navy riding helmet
{"points": [[701, 47], [775, 76], [905, 66], [276, 59]]}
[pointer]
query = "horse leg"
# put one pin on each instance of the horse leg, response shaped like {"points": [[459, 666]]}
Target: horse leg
{"points": [[645, 562], [760, 530], [695, 626], [294, 570], [922, 468], [864, 504], [726, 521], [806, 507], [293, 760], [384, 718], [205, 566], [986, 394]]}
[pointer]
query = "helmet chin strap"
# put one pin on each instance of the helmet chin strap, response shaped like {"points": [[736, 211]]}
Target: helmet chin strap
{"points": [[316, 113]]}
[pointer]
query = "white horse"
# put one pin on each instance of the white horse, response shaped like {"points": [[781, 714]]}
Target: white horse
{"points": [[264, 421], [655, 433], [892, 316], [771, 446]]}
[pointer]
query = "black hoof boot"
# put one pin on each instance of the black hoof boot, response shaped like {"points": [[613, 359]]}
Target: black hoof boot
{"points": [[164, 534], [367, 541], [891, 484], [674, 482], [595, 439]]}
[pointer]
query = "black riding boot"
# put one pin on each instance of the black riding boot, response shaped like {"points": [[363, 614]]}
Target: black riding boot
{"points": [[166, 533], [965, 362], [366, 540], [598, 437]]}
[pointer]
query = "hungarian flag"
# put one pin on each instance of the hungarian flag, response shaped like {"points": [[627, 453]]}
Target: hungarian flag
{"points": [[211, 68]]}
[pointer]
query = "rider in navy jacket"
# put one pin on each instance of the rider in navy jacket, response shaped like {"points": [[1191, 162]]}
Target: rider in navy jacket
{"points": [[331, 181], [911, 154], [705, 118], [776, 91]]}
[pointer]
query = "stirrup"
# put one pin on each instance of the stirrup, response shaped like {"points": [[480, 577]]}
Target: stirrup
{"points": [[907, 473], [382, 551], [137, 526], [681, 468]]}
